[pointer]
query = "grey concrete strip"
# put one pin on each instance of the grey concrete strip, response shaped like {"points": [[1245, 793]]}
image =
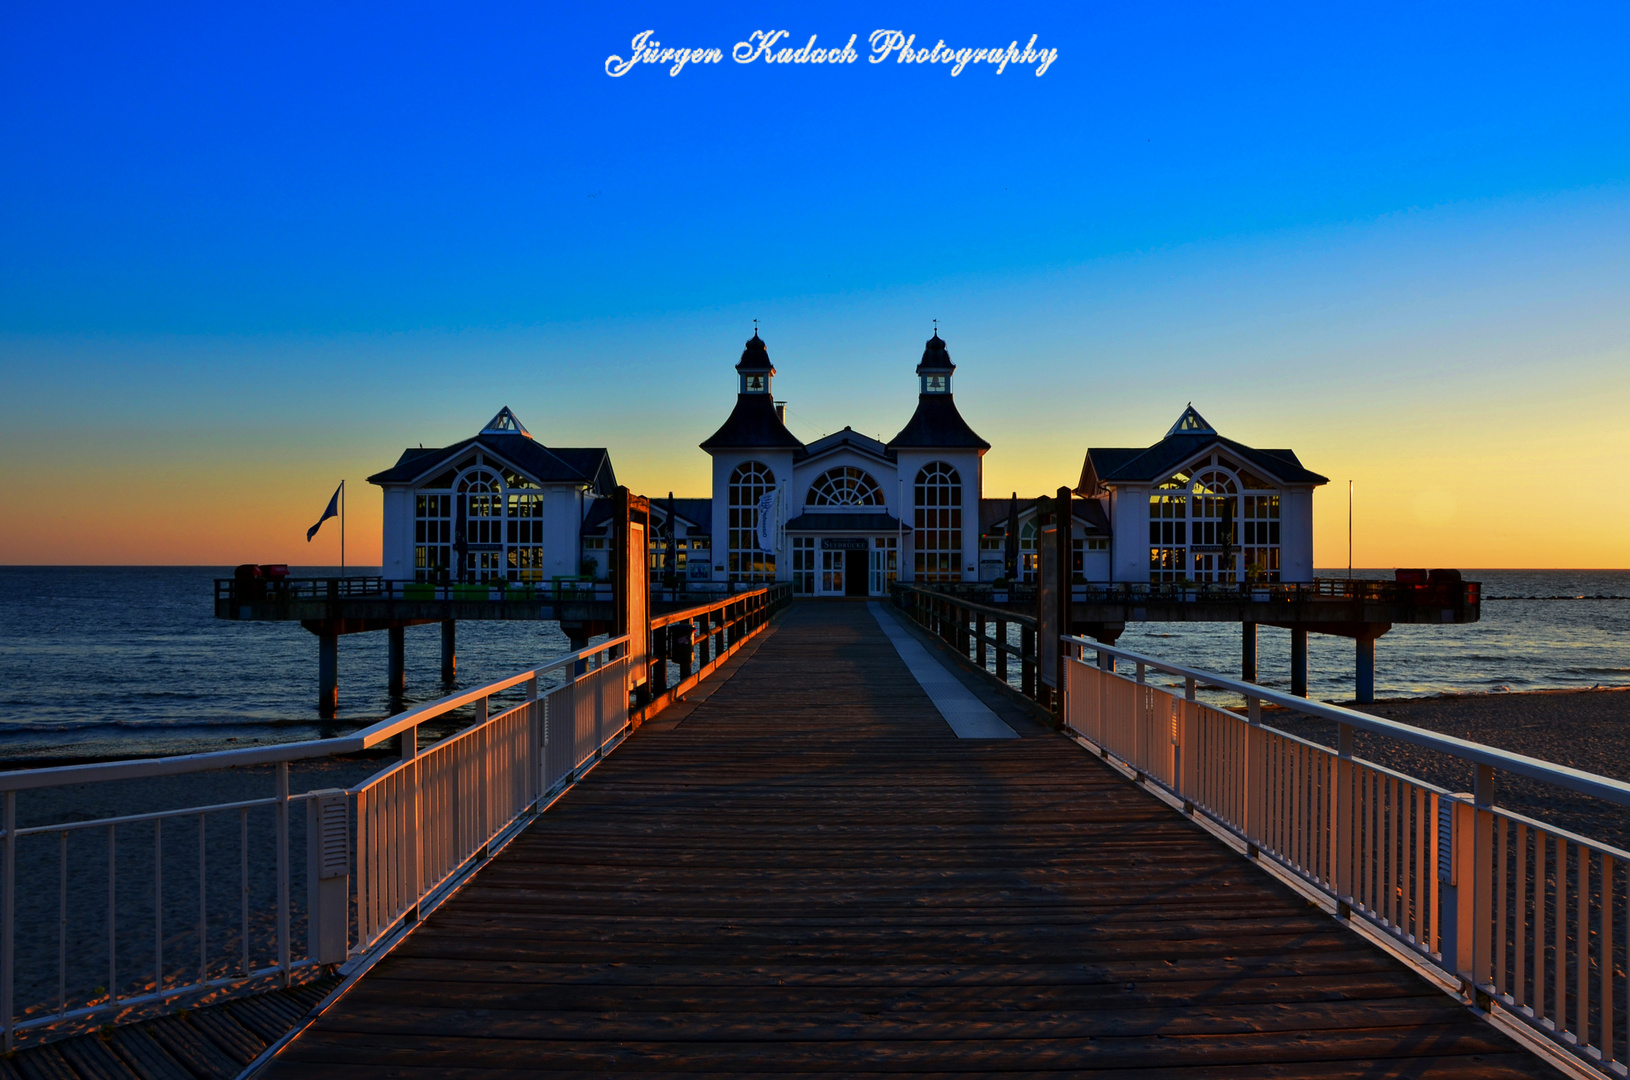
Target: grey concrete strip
{"points": [[969, 717]]}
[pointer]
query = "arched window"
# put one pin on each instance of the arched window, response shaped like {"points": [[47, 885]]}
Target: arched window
{"points": [[749, 483], [1214, 522], [474, 526], [937, 524], [844, 486]]}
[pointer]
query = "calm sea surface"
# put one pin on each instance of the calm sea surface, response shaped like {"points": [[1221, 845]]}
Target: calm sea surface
{"points": [[100, 661]]}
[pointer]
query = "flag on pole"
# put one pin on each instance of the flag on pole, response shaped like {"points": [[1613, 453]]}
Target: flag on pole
{"points": [[332, 511], [766, 522]]}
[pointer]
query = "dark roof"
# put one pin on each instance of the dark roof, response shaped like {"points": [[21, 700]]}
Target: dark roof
{"points": [[752, 425], [807, 523], [850, 439], [546, 465], [1089, 513], [936, 357], [598, 519], [936, 423], [1126, 465], [993, 512], [697, 514], [755, 357]]}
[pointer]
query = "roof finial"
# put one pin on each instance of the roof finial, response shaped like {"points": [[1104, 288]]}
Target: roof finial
{"points": [[936, 328]]}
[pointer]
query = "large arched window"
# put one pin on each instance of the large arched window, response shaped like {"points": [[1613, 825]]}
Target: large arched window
{"points": [[749, 483], [937, 535], [474, 525], [844, 486], [1214, 522]]}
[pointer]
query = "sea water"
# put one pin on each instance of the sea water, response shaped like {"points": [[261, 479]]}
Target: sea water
{"points": [[102, 662]]}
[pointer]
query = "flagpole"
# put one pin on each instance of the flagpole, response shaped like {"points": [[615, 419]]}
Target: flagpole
{"points": [[342, 528]]}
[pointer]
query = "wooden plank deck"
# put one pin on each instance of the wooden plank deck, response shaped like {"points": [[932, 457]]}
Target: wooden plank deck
{"points": [[811, 873]]}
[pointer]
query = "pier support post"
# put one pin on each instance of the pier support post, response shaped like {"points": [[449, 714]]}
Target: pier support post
{"points": [[328, 675], [1298, 662], [449, 650], [1364, 672], [576, 644], [1247, 652], [396, 661]]}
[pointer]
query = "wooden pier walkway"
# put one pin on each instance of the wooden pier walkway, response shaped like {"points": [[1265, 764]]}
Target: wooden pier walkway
{"points": [[811, 874]]}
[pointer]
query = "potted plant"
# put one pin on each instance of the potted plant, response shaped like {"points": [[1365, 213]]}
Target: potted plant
{"points": [[1187, 587], [998, 590]]}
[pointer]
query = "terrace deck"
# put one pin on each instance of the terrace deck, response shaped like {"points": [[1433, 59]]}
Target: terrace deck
{"points": [[811, 874]]}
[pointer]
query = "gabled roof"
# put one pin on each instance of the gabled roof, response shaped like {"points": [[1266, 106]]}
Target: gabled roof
{"points": [[1187, 439], [589, 465], [936, 424], [695, 514], [849, 439], [1087, 513]]}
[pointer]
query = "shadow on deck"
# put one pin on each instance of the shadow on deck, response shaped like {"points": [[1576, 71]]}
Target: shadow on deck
{"points": [[811, 873]]}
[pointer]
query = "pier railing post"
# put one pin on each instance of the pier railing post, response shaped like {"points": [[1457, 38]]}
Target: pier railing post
{"points": [[1298, 662], [1027, 661], [1256, 776], [1341, 835], [281, 774], [1482, 884], [1001, 649]]}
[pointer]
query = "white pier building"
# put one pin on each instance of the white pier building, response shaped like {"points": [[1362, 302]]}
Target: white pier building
{"points": [[846, 514]]}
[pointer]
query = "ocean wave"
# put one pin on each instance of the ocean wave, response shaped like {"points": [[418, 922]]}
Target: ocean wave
{"points": [[41, 727]]}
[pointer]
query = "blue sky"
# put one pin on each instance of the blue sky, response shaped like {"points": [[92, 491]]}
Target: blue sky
{"points": [[390, 221]]}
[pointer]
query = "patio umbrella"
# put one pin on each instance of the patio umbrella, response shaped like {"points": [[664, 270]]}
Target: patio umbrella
{"points": [[1010, 543], [670, 561]]}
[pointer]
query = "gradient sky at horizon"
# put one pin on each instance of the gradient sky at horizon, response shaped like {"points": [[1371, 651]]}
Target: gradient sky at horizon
{"points": [[246, 253]]}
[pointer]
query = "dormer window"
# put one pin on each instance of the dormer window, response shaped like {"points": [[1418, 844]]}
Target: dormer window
{"points": [[936, 384], [757, 383]]}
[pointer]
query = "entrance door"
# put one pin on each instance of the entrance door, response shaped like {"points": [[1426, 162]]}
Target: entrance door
{"points": [[855, 571], [832, 573]]}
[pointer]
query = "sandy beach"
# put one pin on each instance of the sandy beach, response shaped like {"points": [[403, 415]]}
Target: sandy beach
{"points": [[1583, 729]]}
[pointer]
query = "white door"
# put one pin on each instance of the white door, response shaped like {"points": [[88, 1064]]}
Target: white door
{"points": [[831, 583]]}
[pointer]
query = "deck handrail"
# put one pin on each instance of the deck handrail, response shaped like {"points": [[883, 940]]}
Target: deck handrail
{"points": [[303, 750], [1521, 911], [379, 852], [1601, 787]]}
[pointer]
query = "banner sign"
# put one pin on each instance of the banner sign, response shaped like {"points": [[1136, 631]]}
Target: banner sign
{"points": [[845, 543], [766, 522]]}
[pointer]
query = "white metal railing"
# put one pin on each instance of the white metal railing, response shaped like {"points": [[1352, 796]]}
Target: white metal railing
{"points": [[423, 820], [159, 905], [1526, 914]]}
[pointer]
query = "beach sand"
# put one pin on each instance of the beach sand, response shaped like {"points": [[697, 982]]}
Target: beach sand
{"points": [[1583, 729]]}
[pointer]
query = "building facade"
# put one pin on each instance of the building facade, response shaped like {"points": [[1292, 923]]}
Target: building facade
{"points": [[1198, 507], [846, 514], [498, 506]]}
